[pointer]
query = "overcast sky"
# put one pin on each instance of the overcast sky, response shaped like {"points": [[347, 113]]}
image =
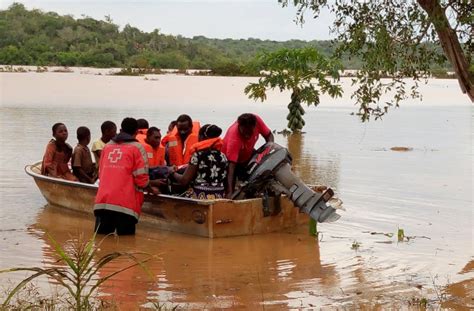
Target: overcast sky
{"points": [[264, 19]]}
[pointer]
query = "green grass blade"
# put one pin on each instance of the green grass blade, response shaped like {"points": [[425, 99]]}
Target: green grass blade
{"points": [[60, 251], [39, 272]]}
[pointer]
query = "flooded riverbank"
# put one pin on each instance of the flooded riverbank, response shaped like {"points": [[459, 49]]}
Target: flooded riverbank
{"points": [[426, 191]]}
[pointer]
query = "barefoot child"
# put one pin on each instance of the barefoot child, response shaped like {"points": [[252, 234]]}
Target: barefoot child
{"points": [[82, 164], [57, 155]]}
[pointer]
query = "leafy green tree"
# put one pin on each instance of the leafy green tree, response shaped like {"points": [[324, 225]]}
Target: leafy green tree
{"points": [[170, 60], [304, 72], [398, 39], [10, 55], [68, 58], [227, 68]]}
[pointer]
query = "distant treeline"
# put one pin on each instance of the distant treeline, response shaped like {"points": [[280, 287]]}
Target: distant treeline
{"points": [[34, 37]]}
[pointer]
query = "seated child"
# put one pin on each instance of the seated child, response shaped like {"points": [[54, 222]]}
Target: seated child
{"points": [[57, 155], [109, 131], [82, 164]]}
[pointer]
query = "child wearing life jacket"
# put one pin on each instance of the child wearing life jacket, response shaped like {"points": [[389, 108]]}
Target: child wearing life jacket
{"points": [[207, 169], [57, 155], [155, 152], [82, 164]]}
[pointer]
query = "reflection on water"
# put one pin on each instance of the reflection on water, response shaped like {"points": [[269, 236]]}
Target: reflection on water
{"points": [[198, 272], [426, 191], [309, 167]]}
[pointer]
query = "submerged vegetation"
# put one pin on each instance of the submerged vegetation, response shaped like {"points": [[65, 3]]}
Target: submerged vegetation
{"points": [[76, 272], [304, 72]]}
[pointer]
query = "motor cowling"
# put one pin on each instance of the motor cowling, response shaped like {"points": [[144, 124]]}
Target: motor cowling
{"points": [[270, 167]]}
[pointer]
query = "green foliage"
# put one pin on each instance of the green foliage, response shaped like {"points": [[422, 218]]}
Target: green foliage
{"points": [[228, 69], [33, 37], [80, 274], [10, 55], [170, 60], [305, 72], [397, 39]]}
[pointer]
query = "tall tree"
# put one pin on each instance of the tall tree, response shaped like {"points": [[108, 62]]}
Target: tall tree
{"points": [[392, 37]]}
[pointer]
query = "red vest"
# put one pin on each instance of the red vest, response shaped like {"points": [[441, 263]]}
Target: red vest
{"points": [[123, 176]]}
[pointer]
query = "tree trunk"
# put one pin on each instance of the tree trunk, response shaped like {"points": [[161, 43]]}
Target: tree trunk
{"points": [[451, 46]]}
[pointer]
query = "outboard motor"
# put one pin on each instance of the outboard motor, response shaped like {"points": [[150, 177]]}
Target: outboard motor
{"points": [[270, 168]]}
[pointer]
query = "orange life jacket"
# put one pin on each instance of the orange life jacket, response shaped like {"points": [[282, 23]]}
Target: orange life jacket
{"points": [[156, 157], [174, 131], [165, 139], [141, 135], [212, 143], [179, 153]]}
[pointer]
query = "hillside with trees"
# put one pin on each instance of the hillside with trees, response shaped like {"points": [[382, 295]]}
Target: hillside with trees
{"points": [[34, 37]]}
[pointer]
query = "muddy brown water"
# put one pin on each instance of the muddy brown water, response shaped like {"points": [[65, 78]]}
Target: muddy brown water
{"points": [[426, 191]]}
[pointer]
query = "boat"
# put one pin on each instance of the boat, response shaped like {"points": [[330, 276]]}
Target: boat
{"points": [[206, 218]]}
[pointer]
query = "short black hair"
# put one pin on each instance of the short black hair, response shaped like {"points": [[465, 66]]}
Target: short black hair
{"points": [[185, 118], [129, 126], [208, 131], [172, 125], [142, 124], [82, 133], [107, 125], [55, 126], [152, 130], [247, 120]]}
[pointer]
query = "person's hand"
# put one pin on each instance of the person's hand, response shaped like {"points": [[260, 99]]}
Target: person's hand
{"points": [[154, 190], [161, 182]]}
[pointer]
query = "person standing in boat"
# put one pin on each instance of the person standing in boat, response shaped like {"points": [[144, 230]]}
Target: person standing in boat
{"points": [[238, 146], [57, 155], [207, 169], [123, 177], [109, 130]]}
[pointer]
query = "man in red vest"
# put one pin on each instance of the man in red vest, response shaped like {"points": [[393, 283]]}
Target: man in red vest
{"points": [[123, 177]]}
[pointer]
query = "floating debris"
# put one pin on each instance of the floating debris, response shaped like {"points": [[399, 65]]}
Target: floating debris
{"points": [[403, 149], [355, 245]]}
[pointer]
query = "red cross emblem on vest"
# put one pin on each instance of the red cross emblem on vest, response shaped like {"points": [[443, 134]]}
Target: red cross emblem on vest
{"points": [[115, 155]]}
